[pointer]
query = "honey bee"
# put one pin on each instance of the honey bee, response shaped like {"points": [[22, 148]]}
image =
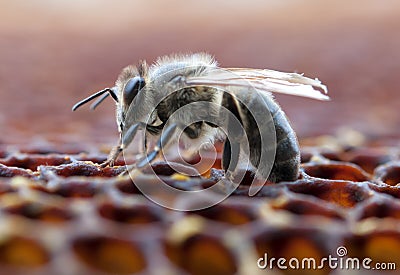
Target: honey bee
{"points": [[147, 97]]}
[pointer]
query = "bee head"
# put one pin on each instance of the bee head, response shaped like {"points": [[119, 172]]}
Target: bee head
{"points": [[131, 89], [130, 82]]}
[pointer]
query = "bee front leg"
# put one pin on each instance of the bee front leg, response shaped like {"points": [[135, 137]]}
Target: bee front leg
{"points": [[124, 141], [112, 157]]}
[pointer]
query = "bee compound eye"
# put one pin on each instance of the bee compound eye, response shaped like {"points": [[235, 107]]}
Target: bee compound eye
{"points": [[131, 89]]}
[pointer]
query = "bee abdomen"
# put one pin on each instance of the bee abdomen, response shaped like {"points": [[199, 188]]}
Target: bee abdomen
{"points": [[269, 134], [287, 153], [287, 156]]}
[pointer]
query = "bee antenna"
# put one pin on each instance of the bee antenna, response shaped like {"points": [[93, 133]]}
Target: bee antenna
{"points": [[97, 102], [93, 96]]}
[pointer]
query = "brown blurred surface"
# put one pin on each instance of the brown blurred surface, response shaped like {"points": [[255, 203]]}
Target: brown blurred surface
{"points": [[54, 53]]}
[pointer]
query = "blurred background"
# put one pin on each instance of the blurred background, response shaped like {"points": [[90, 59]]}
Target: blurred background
{"points": [[54, 53]]}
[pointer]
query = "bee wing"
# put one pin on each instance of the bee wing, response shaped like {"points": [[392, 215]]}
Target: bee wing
{"points": [[265, 81]]}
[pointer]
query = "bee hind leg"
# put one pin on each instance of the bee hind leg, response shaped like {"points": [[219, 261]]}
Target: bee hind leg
{"points": [[230, 157], [235, 132]]}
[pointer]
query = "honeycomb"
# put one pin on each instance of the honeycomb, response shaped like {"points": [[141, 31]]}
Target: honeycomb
{"points": [[60, 213]]}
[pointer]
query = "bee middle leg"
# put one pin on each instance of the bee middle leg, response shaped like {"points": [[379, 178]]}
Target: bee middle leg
{"points": [[192, 131], [164, 139]]}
